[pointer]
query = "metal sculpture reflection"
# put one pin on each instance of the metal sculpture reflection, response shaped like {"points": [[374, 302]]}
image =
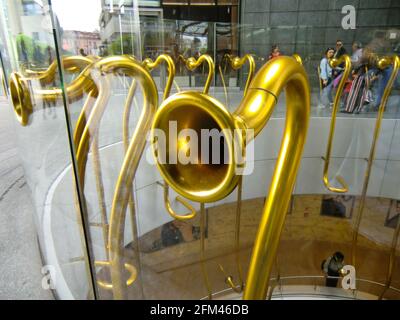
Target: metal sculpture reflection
{"points": [[345, 75], [382, 63], [212, 182], [23, 100]]}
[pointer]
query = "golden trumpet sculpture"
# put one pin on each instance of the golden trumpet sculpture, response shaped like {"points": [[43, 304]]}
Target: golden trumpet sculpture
{"points": [[334, 63], [212, 182]]}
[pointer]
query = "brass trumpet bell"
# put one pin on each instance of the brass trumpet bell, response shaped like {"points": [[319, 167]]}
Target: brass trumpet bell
{"points": [[208, 182], [201, 181], [21, 98]]}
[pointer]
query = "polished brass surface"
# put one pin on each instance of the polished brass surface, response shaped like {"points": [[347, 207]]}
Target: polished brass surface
{"points": [[88, 140], [202, 250], [334, 63], [163, 58], [192, 64], [190, 215], [108, 286], [382, 63], [150, 65], [212, 182], [298, 58], [71, 64], [237, 62], [136, 145], [21, 98]]}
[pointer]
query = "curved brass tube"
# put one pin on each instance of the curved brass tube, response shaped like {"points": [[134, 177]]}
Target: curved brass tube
{"points": [[108, 286], [212, 182], [202, 250], [237, 63], [346, 72], [20, 98], [382, 63], [131, 160], [150, 65], [298, 58], [71, 64], [171, 212], [192, 64], [21, 94]]}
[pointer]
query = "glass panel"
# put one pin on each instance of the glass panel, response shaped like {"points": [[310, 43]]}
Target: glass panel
{"points": [[29, 50], [139, 248]]}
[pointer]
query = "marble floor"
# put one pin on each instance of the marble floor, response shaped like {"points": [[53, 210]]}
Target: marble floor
{"points": [[20, 267]]}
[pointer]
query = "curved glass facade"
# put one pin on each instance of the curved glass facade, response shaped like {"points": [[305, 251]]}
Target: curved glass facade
{"points": [[85, 99]]}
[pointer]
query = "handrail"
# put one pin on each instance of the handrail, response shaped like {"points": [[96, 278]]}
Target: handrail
{"points": [[311, 277]]}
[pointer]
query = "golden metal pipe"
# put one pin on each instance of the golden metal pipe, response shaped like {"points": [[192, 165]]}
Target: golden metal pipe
{"points": [[227, 102], [71, 64], [202, 251], [125, 137], [108, 286], [104, 67], [382, 64], [150, 65], [129, 166], [212, 182], [236, 63], [100, 192], [21, 97], [192, 64], [334, 63], [298, 58]]}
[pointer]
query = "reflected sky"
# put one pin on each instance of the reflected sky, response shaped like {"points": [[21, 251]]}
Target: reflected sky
{"points": [[77, 14]]}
